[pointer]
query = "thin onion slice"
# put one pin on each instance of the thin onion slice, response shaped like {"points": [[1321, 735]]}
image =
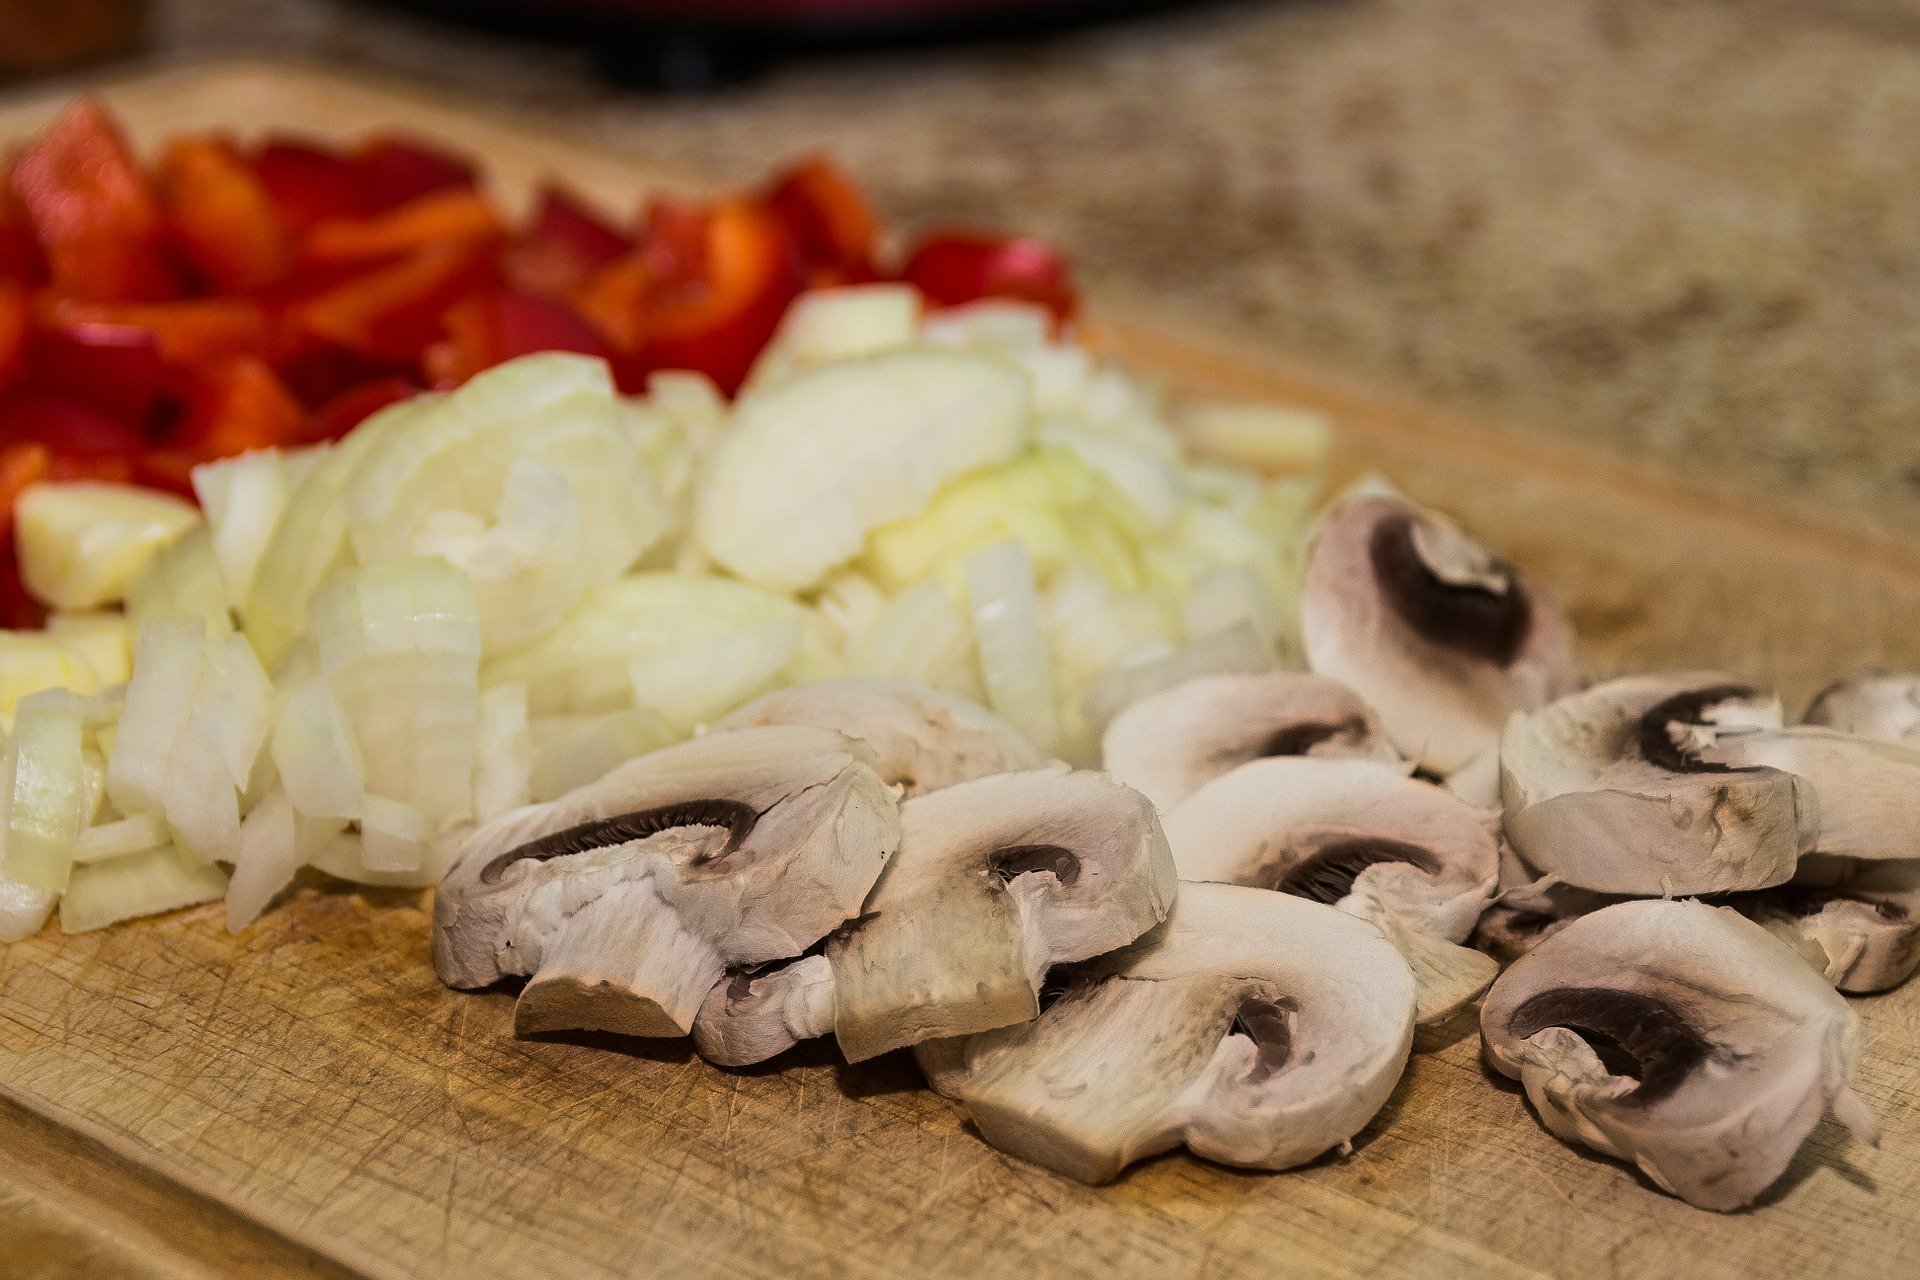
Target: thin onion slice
{"points": [[503, 753], [139, 884], [576, 750], [121, 837], [47, 792], [243, 498], [1011, 636]]}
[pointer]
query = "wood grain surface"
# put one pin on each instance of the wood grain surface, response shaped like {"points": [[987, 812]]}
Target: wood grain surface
{"points": [[307, 1099]]}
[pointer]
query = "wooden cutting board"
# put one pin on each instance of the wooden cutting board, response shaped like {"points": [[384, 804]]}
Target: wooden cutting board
{"points": [[306, 1099]]}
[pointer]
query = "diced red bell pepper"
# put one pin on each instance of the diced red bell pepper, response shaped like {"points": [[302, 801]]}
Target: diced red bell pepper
{"points": [[564, 247], [15, 319], [391, 314], [499, 324], [718, 319], [115, 368], [223, 219], [438, 219], [20, 258], [188, 333], [92, 211], [395, 170], [309, 185], [615, 300], [355, 405], [73, 430], [959, 266], [236, 406], [829, 218]]}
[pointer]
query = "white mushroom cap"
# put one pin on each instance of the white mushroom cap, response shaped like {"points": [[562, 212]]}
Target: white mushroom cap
{"points": [[1606, 791], [1257, 1028], [1867, 792], [1441, 638], [1169, 745], [627, 899], [1883, 705], [922, 738], [997, 881], [1681, 1037], [1361, 835], [1859, 922]]}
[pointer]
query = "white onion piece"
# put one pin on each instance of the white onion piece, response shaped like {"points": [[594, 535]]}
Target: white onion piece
{"points": [[23, 909], [269, 857], [575, 750], [1011, 638], [243, 497], [1148, 478], [1226, 595], [47, 801], [182, 580], [656, 639], [31, 662], [139, 884], [503, 753], [393, 835], [342, 857], [105, 640], [919, 635], [1238, 650], [121, 837], [315, 753]]}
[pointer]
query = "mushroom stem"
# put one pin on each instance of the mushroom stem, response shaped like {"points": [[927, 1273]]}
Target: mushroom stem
{"points": [[622, 963], [749, 1018]]}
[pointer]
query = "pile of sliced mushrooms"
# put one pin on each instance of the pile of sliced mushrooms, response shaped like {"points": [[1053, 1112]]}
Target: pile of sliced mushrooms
{"points": [[1226, 940]]}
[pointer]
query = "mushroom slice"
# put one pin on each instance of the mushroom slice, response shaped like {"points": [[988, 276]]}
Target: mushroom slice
{"points": [[1441, 637], [1530, 909], [1867, 791], [1607, 790], [922, 738], [1169, 745], [1682, 1037], [1858, 922], [627, 900], [1257, 1028], [1414, 859], [1883, 705]]}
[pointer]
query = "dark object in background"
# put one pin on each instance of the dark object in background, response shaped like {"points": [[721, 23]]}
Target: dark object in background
{"points": [[694, 45], [52, 35]]}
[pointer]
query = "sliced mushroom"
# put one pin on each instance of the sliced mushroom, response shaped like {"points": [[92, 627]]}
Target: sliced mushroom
{"points": [[1442, 638], [997, 881], [1411, 857], [1681, 1037], [1607, 790], [1867, 792], [627, 900], [922, 738], [1169, 745], [1529, 909], [1257, 1028], [1857, 922], [1883, 705]]}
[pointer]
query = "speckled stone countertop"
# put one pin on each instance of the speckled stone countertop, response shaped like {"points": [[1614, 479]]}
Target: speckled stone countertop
{"points": [[1684, 228]]}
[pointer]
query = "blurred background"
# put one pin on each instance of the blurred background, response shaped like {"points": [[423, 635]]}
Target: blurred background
{"points": [[1686, 229]]}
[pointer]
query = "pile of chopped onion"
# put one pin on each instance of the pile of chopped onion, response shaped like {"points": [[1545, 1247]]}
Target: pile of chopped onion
{"points": [[497, 594]]}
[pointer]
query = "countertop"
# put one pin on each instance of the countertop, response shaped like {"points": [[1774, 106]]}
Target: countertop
{"points": [[1687, 229]]}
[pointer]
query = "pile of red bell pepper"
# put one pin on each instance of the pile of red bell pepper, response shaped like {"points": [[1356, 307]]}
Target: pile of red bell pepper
{"points": [[231, 297]]}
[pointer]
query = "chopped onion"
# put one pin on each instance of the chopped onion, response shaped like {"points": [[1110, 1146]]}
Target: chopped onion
{"points": [[1226, 595], [342, 856], [393, 835], [47, 793], [919, 635], [30, 663], [243, 498], [315, 753], [838, 324], [104, 640], [269, 857], [81, 542], [1147, 478], [575, 750], [23, 909], [117, 839], [1015, 665], [1238, 650], [182, 580], [503, 753], [849, 601], [139, 884]]}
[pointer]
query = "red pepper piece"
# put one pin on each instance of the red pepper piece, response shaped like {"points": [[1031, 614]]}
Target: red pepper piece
{"points": [[391, 314], [223, 219], [497, 325], [615, 300], [188, 333], [115, 368], [309, 184], [14, 329], [72, 429], [960, 266], [717, 317], [828, 217], [233, 407], [19, 252], [92, 211], [438, 219], [564, 247], [395, 170], [355, 405]]}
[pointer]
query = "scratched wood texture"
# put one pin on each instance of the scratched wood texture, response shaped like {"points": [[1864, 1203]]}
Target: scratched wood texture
{"points": [[306, 1098]]}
